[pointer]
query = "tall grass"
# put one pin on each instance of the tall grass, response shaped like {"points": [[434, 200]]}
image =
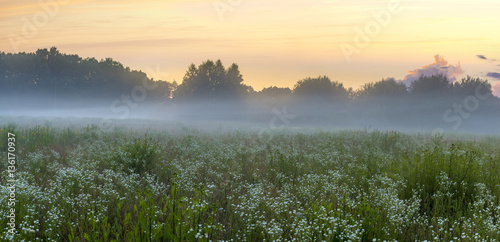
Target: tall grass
{"points": [[85, 185]]}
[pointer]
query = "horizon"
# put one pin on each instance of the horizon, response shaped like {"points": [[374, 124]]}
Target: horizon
{"points": [[454, 73], [274, 43]]}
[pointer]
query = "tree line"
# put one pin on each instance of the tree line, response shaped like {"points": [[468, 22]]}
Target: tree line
{"points": [[47, 72]]}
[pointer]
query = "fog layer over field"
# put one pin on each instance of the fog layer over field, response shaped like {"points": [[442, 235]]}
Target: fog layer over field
{"points": [[412, 115], [432, 98]]}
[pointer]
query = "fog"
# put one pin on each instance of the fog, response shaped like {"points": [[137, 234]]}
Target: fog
{"points": [[48, 86], [424, 115]]}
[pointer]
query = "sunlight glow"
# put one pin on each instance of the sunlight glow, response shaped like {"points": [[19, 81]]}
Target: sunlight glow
{"points": [[274, 42]]}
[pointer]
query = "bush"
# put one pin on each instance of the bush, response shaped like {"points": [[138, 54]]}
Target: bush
{"points": [[138, 156]]}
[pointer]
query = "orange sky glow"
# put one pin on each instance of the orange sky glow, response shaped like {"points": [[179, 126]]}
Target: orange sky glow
{"points": [[274, 42]]}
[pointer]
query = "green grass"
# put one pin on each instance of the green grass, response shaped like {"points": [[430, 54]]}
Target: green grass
{"points": [[79, 184]]}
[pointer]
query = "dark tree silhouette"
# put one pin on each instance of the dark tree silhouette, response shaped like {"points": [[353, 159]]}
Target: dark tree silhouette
{"points": [[435, 85], [469, 85], [386, 88], [320, 88], [54, 75], [211, 81], [275, 92]]}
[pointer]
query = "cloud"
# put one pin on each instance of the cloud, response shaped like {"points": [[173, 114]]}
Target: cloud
{"points": [[496, 89], [490, 60], [481, 57], [495, 75], [440, 66]]}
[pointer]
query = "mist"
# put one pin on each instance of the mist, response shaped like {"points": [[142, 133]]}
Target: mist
{"points": [[431, 99], [426, 115]]}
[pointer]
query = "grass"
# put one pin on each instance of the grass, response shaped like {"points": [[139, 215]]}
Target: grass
{"points": [[80, 184]]}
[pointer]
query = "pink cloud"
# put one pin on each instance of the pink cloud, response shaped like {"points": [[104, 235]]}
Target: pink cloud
{"points": [[440, 66], [496, 89]]}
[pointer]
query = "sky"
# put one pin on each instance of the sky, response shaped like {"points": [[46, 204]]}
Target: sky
{"points": [[274, 42]]}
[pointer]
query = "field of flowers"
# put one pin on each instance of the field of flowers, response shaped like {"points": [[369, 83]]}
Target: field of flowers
{"points": [[80, 184]]}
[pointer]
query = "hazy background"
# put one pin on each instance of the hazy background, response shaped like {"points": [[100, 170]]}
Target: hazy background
{"points": [[276, 42], [51, 84], [409, 65]]}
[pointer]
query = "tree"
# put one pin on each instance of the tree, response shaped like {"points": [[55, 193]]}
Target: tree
{"points": [[385, 88], [320, 88], [274, 92], [435, 85], [55, 75], [211, 81], [468, 86]]}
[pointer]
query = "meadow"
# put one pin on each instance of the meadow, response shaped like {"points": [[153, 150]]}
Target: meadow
{"points": [[190, 184]]}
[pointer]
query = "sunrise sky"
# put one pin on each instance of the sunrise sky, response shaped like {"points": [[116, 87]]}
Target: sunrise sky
{"points": [[275, 42]]}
